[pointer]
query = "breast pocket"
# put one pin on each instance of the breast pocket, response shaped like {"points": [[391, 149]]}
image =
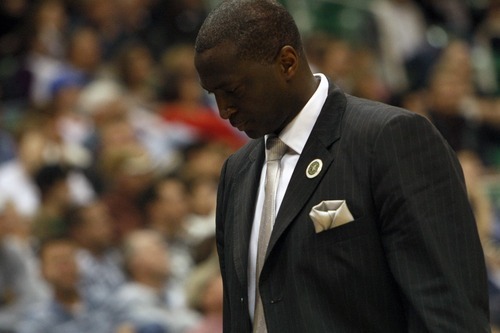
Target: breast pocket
{"points": [[349, 231]]}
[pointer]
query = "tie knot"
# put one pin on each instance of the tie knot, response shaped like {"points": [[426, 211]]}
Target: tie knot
{"points": [[275, 148]]}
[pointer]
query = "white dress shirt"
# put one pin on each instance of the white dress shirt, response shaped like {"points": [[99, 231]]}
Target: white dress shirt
{"points": [[295, 136]]}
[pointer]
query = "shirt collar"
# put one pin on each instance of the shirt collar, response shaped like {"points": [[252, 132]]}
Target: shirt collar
{"points": [[296, 133]]}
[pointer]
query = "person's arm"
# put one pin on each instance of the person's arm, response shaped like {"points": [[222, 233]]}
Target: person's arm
{"points": [[428, 229], [20, 283]]}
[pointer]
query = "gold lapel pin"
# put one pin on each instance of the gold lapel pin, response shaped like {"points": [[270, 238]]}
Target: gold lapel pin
{"points": [[314, 168]]}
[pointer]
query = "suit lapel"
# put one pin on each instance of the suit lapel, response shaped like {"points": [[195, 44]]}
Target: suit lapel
{"points": [[320, 145], [246, 187]]}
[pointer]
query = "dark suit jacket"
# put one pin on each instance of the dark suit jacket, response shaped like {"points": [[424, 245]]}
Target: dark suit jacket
{"points": [[411, 261]]}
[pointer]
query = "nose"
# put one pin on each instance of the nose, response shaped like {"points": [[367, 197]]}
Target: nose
{"points": [[225, 109], [227, 112]]}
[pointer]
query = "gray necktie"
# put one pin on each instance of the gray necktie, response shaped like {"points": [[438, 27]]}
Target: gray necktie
{"points": [[275, 151]]}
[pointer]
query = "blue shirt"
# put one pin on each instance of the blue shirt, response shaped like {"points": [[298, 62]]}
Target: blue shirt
{"points": [[52, 317]]}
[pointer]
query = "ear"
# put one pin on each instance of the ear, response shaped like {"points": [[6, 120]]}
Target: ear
{"points": [[289, 61]]}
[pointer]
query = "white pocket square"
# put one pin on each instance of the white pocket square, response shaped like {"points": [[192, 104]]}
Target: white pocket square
{"points": [[330, 214]]}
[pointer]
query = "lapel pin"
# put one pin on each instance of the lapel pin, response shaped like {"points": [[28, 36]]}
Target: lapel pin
{"points": [[314, 168]]}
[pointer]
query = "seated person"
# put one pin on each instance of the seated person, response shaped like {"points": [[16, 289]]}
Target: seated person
{"points": [[68, 310], [146, 299]]}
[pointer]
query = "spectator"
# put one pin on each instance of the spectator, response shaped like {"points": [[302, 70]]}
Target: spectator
{"points": [[165, 205], [450, 88], [202, 198], [52, 182], [71, 126], [18, 286], [487, 50], [454, 17], [129, 171], [205, 295], [37, 145], [401, 31], [84, 52], [204, 159], [146, 298], [99, 262], [331, 56], [45, 56], [135, 69], [68, 311], [16, 182], [101, 16], [119, 122]]}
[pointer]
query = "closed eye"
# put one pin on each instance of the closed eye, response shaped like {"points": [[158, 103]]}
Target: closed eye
{"points": [[235, 92]]}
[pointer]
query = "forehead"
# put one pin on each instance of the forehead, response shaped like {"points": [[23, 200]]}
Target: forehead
{"points": [[58, 249], [219, 66]]}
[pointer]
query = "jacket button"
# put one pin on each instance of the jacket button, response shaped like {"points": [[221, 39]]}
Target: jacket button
{"points": [[242, 300]]}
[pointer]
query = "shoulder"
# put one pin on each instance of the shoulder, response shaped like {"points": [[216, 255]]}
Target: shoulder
{"points": [[369, 118], [12, 258], [373, 112], [133, 293], [359, 116]]}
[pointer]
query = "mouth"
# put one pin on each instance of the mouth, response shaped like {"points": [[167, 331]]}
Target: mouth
{"points": [[240, 125]]}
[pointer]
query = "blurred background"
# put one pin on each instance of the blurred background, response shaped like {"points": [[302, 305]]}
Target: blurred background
{"points": [[110, 151]]}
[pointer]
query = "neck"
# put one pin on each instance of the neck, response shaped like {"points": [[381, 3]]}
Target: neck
{"points": [[167, 228], [54, 207], [97, 252], [151, 280], [68, 297], [312, 83], [305, 87]]}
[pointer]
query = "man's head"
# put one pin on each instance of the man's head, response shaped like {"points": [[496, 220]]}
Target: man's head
{"points": [[52, 182], [58, 264], [249, 55], [257, 28], [91, 227], [165, 203], [146, 257]]}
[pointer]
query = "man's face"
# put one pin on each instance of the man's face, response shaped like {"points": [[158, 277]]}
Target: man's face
{"points": [[97, 228], [150, 257], [250, 94], [172, 205], [59, 265]]}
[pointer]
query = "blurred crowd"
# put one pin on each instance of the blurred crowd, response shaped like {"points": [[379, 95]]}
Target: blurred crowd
{"points": [[110, 151]]}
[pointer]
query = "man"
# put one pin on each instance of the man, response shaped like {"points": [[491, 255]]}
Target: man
{"points": [[19, 286], [165, 206], [146, 299], [68, 310], [373, 231], [99, 261]]}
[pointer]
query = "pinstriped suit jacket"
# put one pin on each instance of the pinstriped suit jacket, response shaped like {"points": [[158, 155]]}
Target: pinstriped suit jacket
{"points": [[411, 260]]}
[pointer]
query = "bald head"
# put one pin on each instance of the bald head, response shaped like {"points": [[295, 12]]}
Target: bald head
{"points": [[257, 28], [146, 258]]}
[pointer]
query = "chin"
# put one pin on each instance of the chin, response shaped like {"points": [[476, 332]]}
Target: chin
{"points": [[254, 134]]}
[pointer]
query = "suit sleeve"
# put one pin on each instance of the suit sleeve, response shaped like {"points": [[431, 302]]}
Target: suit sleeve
{"points": [[219, 234], [428, 229]]}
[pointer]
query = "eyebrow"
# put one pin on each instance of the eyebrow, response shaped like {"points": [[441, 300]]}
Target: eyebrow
{"points": [[221, 86]]}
